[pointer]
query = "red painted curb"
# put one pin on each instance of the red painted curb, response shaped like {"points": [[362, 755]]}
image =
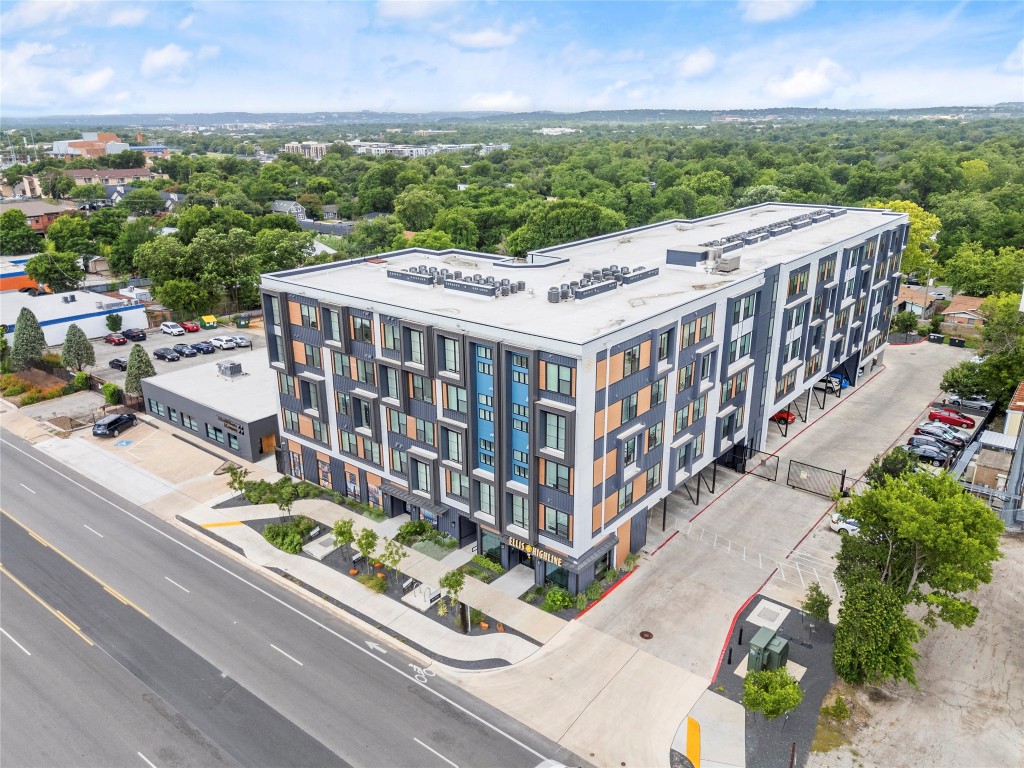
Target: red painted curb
{"points": [[732, 626], [666, 541], [607, 592]]}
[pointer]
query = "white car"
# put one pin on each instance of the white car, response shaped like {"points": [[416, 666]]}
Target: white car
{"points": [[223, 342], [843, 525], [977, 402], [241, 341], [172, 328]]}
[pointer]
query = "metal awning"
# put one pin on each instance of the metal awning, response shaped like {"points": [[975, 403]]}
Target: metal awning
{"points": [[997, 440], [412, 498]]}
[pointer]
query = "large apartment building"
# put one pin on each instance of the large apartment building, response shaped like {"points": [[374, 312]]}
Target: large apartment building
{"points": [[540, 407]]}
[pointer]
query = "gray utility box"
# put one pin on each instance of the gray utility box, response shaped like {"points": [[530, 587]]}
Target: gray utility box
{"points": [[767, 651]]}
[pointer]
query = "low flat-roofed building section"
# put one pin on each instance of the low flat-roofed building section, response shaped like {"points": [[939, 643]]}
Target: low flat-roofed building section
{"points": [[56, 311]]}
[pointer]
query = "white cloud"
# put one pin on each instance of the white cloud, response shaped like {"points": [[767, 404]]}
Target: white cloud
{"points": [[33, 14], [208, 52], [411, 9], [187, 21], [759, 11], [89, 83], [698, 63], [127, 17], [808, 84], [169, 59], [1015, 61], [486, 38], [506, 101], [24, 82]]}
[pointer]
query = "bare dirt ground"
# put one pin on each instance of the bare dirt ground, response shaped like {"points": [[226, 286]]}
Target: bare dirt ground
{"points": [[969, 709]]}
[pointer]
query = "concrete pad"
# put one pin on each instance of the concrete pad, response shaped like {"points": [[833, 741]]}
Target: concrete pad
{"points": [[722, 727], [514, 583], [768, 615], [794, 669], [456, 559], [321, 547]]}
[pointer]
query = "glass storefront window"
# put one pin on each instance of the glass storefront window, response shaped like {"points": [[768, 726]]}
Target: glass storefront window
{"points": [[555, 575], [490, 545]]}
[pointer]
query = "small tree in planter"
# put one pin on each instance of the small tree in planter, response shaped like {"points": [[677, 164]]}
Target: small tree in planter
{"points": [[393, 555], [29, 341], [452, 584], [817, 603], [366, 543], [77, 351], [237, 479], [772, 692], [344, 535]]}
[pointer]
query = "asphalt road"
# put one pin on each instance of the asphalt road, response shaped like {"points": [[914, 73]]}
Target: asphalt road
{"points": [[253, 670]]}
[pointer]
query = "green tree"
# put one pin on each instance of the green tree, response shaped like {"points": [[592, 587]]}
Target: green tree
{"points": [[187, 297], [563, 221], [432, 239], [772, 692], [896, 463], [874, 638], [416, 208], [276, 249], [132, 235], [190, 221], [144, 202], [817, 604], [139, 367], [89, 193], [313, 204], [459, 226], [60, 272], [1003, 344], [921, 252], [453, 583], [393, 555], [165, 258], [57, 185], [979, 272], [904, 322], [29, 341], [77, 351], [366, 543], [105, 225], [16, 236], [344, 535], [114, 322], [70, 234]]}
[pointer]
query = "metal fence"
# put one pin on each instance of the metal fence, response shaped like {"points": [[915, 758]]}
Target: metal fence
{"points": [[751, 461], [807, 477]]}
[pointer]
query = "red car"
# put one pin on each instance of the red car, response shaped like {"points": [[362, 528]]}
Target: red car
{"points": [[784, 417], [115, 338], [951, 417], [190, 326]]}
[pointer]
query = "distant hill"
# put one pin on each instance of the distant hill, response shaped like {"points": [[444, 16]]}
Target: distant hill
{"points": [[366, 117]]}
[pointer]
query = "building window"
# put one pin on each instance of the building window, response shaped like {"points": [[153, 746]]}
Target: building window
{"points": [[706, 367], [520, 376], [295, 462], [291, 421], [396, 422], [556, 522], [685, 377], [277, 349], [734, 386], [362, 330], [172, 415], [342, 365], [653, 477], [424, 431], [232, 441], [389, 336], [629, 405], [556, 476], [785, 385], [744, 308], [320, 431], [654, 436], [420, 476], [521, 424], [453, 445], [275, 310], [797, 282], [422, 388], [629, 451], [310, 396], [365, 372], [451, 354], [416, 347], [740, 347], [399, 461], [188, 421], [308, 314], [658, 392], [796, 316], [518, 512], [457, 399], [215, 433], [698, 446], [371, 450], [558, 378], [698, 330], [486, 460], [155, 407], [348, 443], [625, 497], [631, 361], [485, 414], [287, 385], [332, 324], [458, 485], [389, 383], [485, 493], [313, 356], [691, 413], [521, 472], [664, 345], [485, 368], [791, 351], [554, 431]]}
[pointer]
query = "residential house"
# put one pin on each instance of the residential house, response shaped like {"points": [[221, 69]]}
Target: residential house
{"points": [[964, 310], [107, 176], [38, 215], [290, 207], [916, 300]]}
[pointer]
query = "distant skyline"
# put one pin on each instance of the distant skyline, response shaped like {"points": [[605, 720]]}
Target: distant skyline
{"points": [[420, 55]]}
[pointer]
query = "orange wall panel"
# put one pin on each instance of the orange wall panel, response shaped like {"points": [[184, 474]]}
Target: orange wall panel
{"points": [[294, 313], [604, 466], [596, 518], [615, 368], [622, 548], [645, 354], [298, 352], [643, 401], [602, 373], [305, 426]]}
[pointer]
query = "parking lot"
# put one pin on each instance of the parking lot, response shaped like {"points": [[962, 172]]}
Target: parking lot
{"points": [[155, 339]]}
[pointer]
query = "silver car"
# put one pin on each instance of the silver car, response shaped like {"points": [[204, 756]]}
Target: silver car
{"points": [[241, 341], [977, 402]]}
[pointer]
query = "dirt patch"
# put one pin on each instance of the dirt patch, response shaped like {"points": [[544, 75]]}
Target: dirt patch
{"points": [[39, 379], [969, 706]]}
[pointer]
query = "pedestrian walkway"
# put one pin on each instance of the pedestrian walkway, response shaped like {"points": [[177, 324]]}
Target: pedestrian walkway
{"points": [[515, 582]]}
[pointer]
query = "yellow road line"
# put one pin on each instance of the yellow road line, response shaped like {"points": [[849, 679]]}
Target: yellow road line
{"points": [[222, 525], [693, 741], [64, 619], [92, 576]]}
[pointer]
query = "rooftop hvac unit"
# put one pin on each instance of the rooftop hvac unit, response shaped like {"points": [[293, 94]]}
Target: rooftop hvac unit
{"points": [[229, 368], [729, 263]]}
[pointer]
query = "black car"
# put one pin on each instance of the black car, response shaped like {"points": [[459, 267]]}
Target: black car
{"points": [[119, 363], [204, 348], [930, 453], [113, 425], [134, 334], [166, 353], [184, 350]]}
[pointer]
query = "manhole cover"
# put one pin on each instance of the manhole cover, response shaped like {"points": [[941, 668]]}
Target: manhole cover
{"points": [[768, 614], [646, 635]]}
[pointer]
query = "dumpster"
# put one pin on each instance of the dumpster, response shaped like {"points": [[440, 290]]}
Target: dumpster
{"points": [[241, 322], [208, 322], [954, 342], [936, 338]]}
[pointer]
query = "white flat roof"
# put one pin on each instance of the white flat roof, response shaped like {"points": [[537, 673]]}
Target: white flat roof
{"points": [[366, 283], [51, 306], [246, 398]]}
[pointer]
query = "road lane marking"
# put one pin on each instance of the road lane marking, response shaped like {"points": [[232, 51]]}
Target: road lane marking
{"points": [[287, 606], [146, 759], [93, 530], [26, 487], [222, 525], [431, 749], [7, 635], [64, 619], [91, 575], [288, 655], [177, 584]]}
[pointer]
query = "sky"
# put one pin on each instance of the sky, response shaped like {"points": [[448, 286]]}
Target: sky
{"points": [[419, 55]]}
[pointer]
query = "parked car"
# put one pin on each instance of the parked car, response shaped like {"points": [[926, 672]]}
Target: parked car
{"points": [[134, 334], [119, 363], [241, 341], [191, 326], [204, 348], [941, 433], [951, 417], [223, 342], [115, 338], [114, 424], [843, 525], [784, 417], [828, 384], [184, 350], [840, 379], [166, 353], [976, 402], [929, 453], [919, 440], [172, 328]]}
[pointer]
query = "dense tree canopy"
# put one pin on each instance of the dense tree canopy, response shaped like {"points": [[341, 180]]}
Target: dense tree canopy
{"points": [[16, 236], [60, 272]]}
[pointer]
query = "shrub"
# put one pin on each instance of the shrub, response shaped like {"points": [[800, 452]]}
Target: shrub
{"points": [[594, 590], [476, 616], [609, 576], [631, 560], [51, 358], [111, 393], [839, 711], [80, 382], [557, 599], [11, 385], [377, 585], [288, 537], [39, 395], [114, 322], [581, 602], [530, 597], [487, 565]]}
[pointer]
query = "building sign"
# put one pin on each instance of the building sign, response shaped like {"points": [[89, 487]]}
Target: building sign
{"points": [[534, 551], [230, 425]]}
